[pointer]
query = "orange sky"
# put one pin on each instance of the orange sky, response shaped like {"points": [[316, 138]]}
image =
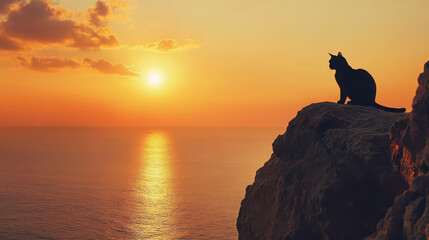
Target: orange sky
{"points": [[222, 63]]}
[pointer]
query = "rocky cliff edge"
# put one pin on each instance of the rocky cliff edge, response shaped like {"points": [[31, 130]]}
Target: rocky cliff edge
{"points": [[344, 172]]}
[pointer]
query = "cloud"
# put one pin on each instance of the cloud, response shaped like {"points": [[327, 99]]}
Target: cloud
{"points": [[40, 21], [108, 67], [48, 64], [32, 25], [5, 5], [168, 45], [37, 21], [9, 44], [53, 64], [99, 11]]}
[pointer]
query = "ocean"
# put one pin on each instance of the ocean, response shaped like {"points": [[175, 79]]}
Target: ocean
{"points": [[127, 183]]}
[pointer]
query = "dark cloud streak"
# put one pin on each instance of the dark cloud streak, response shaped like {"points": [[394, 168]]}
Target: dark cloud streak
{"points": [[48, 64], [53, 64]]}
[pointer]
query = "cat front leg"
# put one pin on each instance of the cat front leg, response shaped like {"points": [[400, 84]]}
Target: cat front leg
{"points": [[343, 97]]}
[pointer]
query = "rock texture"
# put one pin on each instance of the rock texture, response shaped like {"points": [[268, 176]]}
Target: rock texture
{"points": [[330, 177], [408, 218], [410, 146], [339, 170]]}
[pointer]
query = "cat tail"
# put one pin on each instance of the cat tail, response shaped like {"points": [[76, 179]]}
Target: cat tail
{"points": [[388, 109]]}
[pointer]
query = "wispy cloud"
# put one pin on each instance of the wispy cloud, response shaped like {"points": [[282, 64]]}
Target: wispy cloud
{"points": [[54, 64], [109, 68], [48, 64], [168, 45]]}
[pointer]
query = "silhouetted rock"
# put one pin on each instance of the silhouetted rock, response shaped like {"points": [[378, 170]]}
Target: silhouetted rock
{"points": [[408, 218], [330, 177], [410, 146], [335, 173]]}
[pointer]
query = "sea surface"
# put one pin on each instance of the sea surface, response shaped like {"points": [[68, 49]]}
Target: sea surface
{"points": [[127, 183]]}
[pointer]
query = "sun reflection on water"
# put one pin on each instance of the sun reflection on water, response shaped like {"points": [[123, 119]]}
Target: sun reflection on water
{"points": [[154, 212]]}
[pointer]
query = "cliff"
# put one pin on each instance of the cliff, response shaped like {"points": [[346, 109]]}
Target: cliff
{"points": [[335, 173], [408, 218]]}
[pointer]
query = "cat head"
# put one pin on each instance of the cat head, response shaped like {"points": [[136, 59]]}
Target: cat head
{"points": [[337, 61]]}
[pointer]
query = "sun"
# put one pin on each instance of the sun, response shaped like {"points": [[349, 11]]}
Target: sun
{"points": [[154, 79]]}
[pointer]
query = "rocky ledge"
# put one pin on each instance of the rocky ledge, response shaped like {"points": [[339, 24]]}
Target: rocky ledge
{"points": [[343, 172]]}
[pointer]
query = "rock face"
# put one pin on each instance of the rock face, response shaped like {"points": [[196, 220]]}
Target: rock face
{"points": [[408, 218], [330, 177], [339, 170], [410, 146]]}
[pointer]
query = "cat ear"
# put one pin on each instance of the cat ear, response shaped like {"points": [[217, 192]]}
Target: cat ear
{"points": [[340, 54], [331, 55]]}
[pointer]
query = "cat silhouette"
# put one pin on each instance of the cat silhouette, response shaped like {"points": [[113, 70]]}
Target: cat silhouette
{"points": [[356, 84]]}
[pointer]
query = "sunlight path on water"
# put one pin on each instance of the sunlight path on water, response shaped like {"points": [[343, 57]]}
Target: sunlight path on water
{"points": [[154, 215]]}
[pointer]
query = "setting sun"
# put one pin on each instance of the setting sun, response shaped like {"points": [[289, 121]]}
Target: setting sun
{"points": [[163, 119], [154, 79]]}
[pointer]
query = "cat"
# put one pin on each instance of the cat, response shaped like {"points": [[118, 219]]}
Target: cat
{"points": [[356, 84]]}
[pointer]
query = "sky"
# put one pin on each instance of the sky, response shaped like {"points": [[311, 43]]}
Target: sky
{"points": [[198, 63]]}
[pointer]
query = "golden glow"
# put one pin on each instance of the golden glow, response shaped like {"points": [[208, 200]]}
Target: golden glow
{"points": [[154, 79], [240, 72], [154, 213]]}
